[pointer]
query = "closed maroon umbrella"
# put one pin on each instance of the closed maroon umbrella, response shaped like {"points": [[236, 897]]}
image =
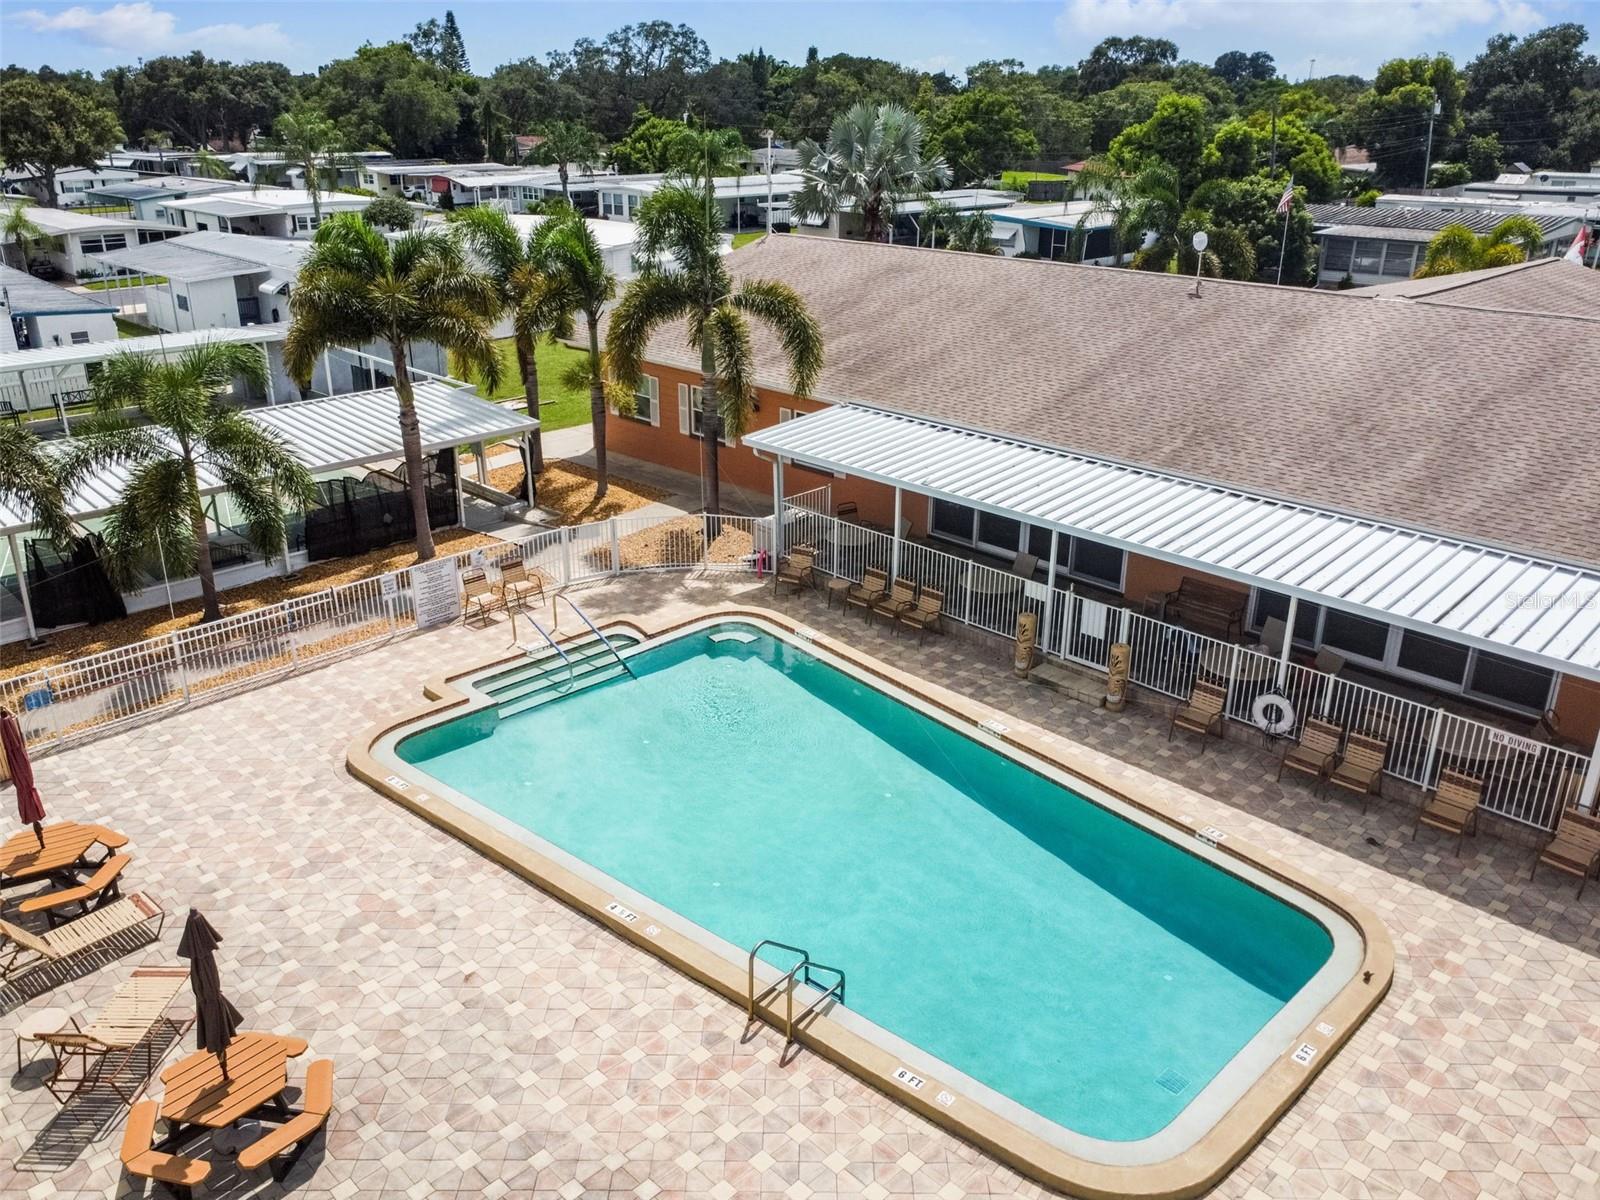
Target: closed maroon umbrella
{"points": [[30, 806], [215, 1020]]}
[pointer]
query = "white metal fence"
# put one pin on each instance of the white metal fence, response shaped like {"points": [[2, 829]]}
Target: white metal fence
{"points": [[1525, 781]]}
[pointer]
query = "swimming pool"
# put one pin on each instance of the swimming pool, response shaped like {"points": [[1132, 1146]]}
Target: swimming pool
{"points": [[1048, 951]]}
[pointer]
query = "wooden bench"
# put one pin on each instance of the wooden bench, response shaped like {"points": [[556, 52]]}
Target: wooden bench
{"points": [[1207, 608], [139, 1158], [296, 1135], [99, 889]]}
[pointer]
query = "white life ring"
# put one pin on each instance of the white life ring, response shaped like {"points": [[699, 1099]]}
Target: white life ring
{"points": [[1272, 714]]}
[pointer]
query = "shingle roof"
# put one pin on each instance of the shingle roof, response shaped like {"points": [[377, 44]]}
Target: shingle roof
{"points": [[1545, 285], [1430, 219], [1437, 417]]}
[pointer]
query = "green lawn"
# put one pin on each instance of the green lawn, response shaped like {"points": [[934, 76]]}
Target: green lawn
{"points": [[744, 239], [127, 328], [559, 407], [1017, 181], [100, 285]]}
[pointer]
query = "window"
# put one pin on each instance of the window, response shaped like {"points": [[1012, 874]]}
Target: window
{"points": [[690, 413], [1097, 561], [1002, 533], [1351, 634], [614, 204], [80, 336], [1367, 258], [1276, 604], [306, 222], [951, 520], [647, 400], [1005, 536], [1432, 657], [1510, 682], [1397, 259], [100, 243], [183, 301]]}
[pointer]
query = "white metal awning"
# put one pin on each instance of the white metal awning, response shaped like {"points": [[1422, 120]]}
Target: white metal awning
{"points": [[330, 434], [1531, 609], [49, 358]]}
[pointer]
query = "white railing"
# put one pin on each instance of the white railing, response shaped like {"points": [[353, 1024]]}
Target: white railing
{"points": [[1525, 781], [817, 500]]}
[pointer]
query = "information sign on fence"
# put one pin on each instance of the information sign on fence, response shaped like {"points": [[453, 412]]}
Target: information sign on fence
{"points": [[436, 592]]}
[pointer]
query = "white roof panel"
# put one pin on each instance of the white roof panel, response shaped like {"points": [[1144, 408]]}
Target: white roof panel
{"points": [[1518, 605], [51, 357]]}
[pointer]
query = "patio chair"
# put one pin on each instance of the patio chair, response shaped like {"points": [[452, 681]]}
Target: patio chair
{"points": [[847, 511], [1453, 807], [1575, 847], [1272, 633], [796, 569], [1203, 714], [1360, 767], [140, 1159], [874, 586], [902, 595], [1316, 751], [293, 1137], [518, 585], [479, 599], [926, 614], [23, 950], [103, 1054], [1025, 565], [99, 889]]}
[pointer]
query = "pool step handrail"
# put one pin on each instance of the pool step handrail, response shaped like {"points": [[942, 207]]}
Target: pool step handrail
{"points": [[801, 972], [530, 651], [584, 617]]}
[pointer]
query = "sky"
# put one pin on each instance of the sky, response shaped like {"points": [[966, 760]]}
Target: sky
{"points": [[1339, 36]]}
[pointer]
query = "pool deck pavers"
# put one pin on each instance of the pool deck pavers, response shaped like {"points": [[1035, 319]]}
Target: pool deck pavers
{"points": [[490, 1042]]}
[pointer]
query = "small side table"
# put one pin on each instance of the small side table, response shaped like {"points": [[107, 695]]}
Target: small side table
{"points": [[838, 587], [46, 1020]]}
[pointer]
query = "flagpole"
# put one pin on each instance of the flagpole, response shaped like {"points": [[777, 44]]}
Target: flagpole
{"points": [[1283, 241]]}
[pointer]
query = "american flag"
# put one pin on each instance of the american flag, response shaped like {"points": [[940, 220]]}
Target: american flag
{"points": [[1286, 201]]}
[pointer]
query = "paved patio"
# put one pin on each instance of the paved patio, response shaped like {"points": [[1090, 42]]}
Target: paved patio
{"points": [[490, 1042]]}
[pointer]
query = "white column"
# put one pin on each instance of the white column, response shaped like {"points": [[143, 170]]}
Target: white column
{"points": [[272, 394], [327, 374], [777, 506], [1591, 777], [61, 403], [1049, 592], [1288, 640], [894, 546], [22, 586]]}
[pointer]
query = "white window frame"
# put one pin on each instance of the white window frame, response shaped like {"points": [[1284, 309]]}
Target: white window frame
{"points": [[648, 394], [1063, 548], [689, 408]]}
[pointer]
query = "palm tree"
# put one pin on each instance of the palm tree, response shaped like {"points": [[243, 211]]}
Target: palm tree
{"points": [[186, 427], [683, 276], [356, 286], [19, 230], [969, 232], [873, 159], [1456, 248], [307, 139], [31, 481], [209, 165], [565, 144], [1144, 203], [526, 291]]}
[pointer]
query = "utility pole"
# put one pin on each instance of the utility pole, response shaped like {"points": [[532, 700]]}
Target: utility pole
{"points": [[1427, 156], [768, 134]]}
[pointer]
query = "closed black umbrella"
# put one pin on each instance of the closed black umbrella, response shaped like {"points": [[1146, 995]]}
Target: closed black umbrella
{"points": [[215, 1020]]}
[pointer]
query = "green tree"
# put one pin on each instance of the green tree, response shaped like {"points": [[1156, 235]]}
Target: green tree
{"points": [[981, 132], [387, 96], [1449, 174], [389, 212], [1391, 120], [1174, 136], [1238, 69], [1242, 147], [307, 139], [951, 230], [46, 127], [1131, 103], [566, 145], [1531, 88], [1250, 205], [685, 278], [19, 230], [1115, 60], [572, 261], [1456, 248], [873, 159], [30, 480], [185, 427], [1485, 158], [356, 286], [650, 146]]}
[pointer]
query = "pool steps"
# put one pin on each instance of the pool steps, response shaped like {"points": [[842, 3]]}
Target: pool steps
{"points": [[548, 676]]}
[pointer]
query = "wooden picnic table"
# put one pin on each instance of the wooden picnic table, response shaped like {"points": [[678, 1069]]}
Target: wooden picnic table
{"points": [[66, 845], [258, 1072]]}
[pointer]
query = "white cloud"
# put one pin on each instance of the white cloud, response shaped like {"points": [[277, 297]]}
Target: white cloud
{"points": [[141, 29], [1333, 31]]}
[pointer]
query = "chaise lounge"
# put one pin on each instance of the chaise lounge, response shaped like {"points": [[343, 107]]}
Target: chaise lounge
{"points": [[24, 950]]}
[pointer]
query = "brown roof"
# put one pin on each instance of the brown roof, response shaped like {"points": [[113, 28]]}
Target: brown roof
{"points": [[1432, 416], [1545, 285]]}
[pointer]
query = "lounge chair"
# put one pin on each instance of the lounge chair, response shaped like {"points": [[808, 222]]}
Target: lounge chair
{"points": [[796, 569], [99, 889], [1360, 767], [1203, 714], [874, 586], [297, 1134], [23, 950], [1575, 848], [518, 585], [179, 1175], [1453, 807], [479, 599], [1316, 751], [102, 1053], [1025, 565], [902, 596], [926, 614]]}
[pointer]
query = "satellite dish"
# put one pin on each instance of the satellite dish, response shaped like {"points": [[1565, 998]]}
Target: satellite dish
{"points": [[1200, 241]]}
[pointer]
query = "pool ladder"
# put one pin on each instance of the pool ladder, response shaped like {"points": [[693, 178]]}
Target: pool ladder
{"points": [[797, 974], [593, 628]]}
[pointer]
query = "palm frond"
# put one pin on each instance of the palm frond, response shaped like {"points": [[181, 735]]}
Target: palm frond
{"points": [[781, 309], [649, 302], [728, 332], [31, 480]]}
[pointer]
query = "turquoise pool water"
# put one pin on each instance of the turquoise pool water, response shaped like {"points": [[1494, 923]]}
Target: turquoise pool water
{"points": [[1069, 959]]}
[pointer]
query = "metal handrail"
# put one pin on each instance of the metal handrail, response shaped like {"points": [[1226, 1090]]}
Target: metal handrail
{"points": [[553, 645], [604, 640], [806, 964]]}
